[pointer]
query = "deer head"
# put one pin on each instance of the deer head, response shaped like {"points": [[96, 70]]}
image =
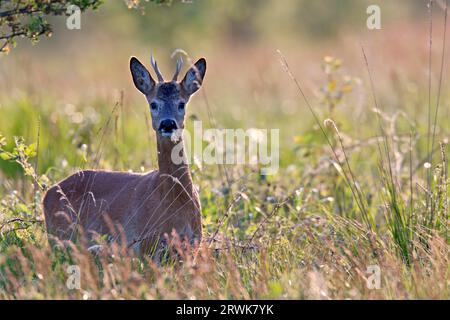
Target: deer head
{"points": [[167, 99]]}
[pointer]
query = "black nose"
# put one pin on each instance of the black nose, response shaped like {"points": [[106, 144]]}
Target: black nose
{"points": [[167, 126]]}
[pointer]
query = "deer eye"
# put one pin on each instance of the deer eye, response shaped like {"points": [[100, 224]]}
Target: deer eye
{"points": [[181, 106], [153, 106]]}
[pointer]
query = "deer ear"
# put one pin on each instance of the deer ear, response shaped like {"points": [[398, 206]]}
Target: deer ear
{"points": [[141, 77], [193, 79]]}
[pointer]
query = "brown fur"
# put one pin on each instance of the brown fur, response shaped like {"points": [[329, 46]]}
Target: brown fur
{"points": [[146, 207]]}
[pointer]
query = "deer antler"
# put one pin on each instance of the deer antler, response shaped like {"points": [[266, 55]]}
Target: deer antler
{"points": [[178, 68], [155, 67]]}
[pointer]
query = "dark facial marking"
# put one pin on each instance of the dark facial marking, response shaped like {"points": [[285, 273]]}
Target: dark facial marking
{"points": [[168, 91]]}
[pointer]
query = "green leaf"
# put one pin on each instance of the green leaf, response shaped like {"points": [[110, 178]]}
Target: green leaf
{"points": [[7, 155], [30, 151]]}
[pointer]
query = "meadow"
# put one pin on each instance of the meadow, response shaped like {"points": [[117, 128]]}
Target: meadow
{"points": [[363, 180]]}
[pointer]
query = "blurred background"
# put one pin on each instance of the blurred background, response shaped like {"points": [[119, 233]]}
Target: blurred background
{"points": [[76, 77], [308, 231]]}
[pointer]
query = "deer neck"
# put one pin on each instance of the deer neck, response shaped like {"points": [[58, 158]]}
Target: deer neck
{"points": [[170, 169]]}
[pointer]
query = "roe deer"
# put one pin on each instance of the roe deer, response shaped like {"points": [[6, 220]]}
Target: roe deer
{"points": [[146, 206]]}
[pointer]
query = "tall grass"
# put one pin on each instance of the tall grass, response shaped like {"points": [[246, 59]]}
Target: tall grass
{"points": [[348, 196]]}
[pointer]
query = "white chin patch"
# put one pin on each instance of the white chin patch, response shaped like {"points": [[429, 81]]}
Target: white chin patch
{"points": [[167, 134], [174, 136]]}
